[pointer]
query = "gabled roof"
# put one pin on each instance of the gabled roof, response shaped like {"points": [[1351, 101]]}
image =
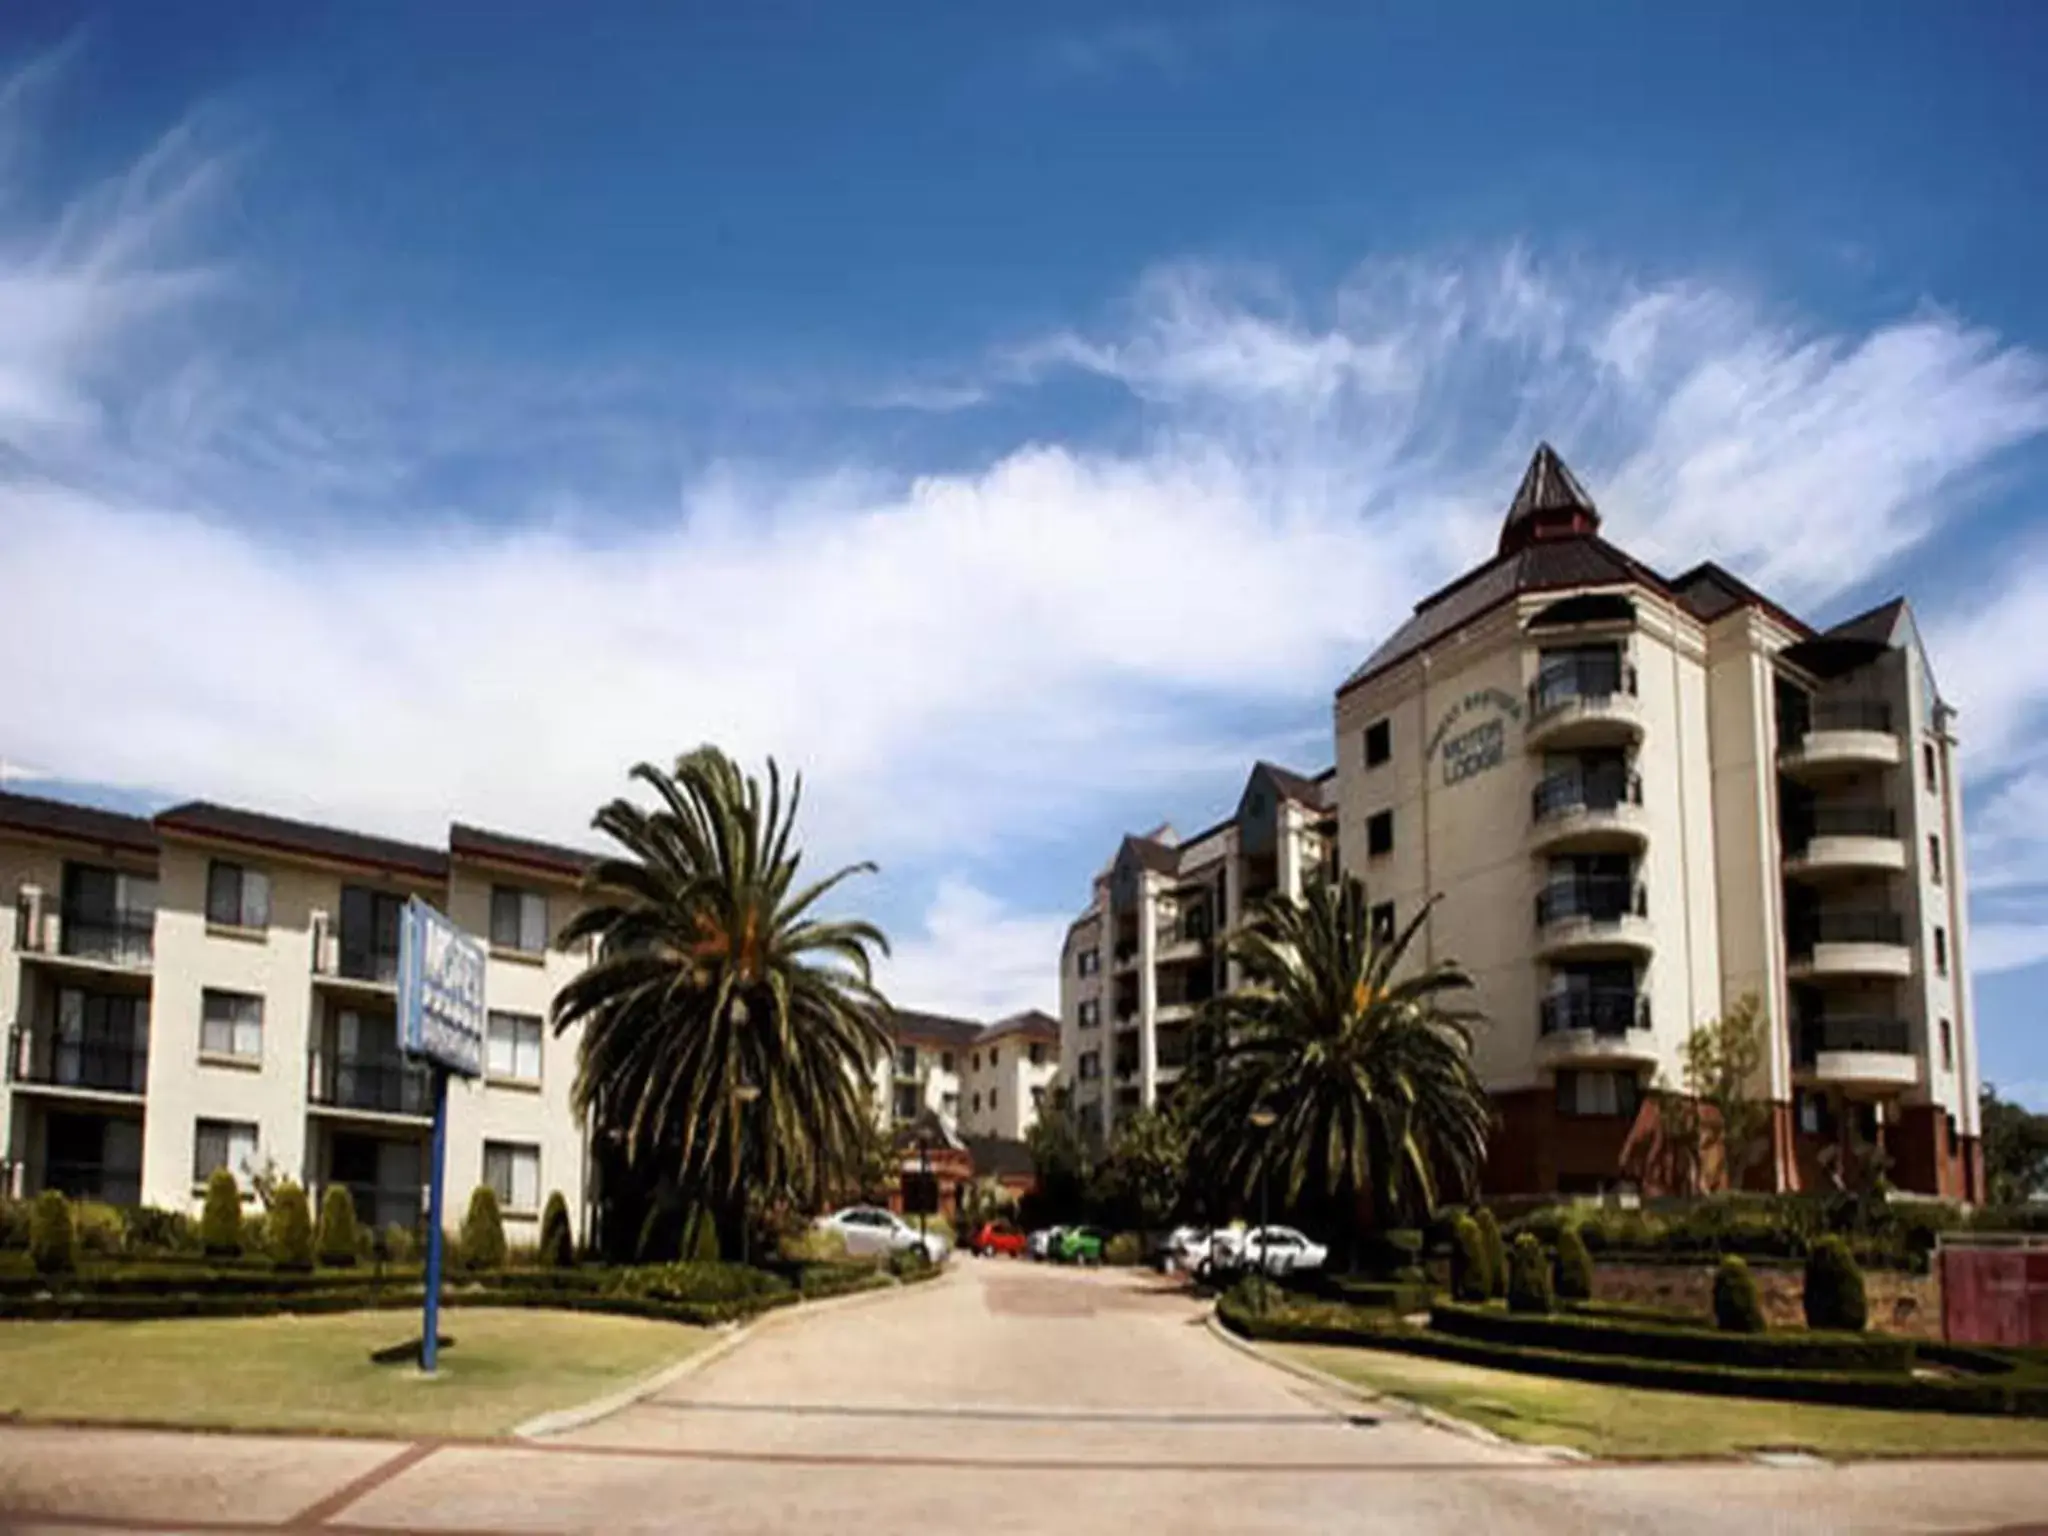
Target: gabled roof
{"points": [[1549, 498], [941, 1029], [1030, 1024], [80, 823], [503, 848], [202, 818], [1881, 624], [1152, 855], [1297, 787]]}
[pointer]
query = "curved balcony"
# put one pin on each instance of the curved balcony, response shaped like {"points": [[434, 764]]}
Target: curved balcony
{"points": [[1592, 916], [1588, 811], [1839, 736], [1836, 840], [1583, 702], [1849, 944], [1858, 1052], [1595, 1025]]}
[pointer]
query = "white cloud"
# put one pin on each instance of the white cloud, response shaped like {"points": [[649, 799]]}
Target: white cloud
{"points": [[959, 661]]}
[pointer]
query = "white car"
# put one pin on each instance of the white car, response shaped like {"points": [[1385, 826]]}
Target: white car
{"points": [[1040, 1244], [1282, 1251], [869, 1231], [1187, 1247]]}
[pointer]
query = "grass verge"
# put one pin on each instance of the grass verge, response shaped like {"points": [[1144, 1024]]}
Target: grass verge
{"points": [[314, 1373], [1631, 1423]]}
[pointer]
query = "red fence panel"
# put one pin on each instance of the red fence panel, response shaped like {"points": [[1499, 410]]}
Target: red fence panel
{"points": [[1994, 1293]]}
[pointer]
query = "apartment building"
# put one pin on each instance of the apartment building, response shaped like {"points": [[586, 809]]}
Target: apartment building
{"points": [[1642, 798], [214, 988], [1149, 949], [982, 1080]]}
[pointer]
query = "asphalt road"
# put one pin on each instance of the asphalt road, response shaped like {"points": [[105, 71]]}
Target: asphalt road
{"points": [[1003, 1398]]}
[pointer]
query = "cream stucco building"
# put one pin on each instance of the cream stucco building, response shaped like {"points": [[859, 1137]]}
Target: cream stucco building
{"points": [[981, 1080]]}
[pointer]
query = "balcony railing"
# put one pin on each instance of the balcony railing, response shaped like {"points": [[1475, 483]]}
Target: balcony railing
{"points": [[108, 1065], [1597, 898], [1840, 821], [1600, 789], [378, 1208], [1170, 1047], [112, 938], [1608, 1013], [1875, 927], [1590, 678], [1834, 715], [357, 962], [1890, 1037], [92, 1181], [382, 1084]]}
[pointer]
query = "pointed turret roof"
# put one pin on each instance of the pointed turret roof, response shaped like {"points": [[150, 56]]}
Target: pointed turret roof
{"points": [[1549, 503]]}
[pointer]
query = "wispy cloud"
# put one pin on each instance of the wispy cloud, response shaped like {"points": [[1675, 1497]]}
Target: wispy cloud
{"points": [[960, 660]]}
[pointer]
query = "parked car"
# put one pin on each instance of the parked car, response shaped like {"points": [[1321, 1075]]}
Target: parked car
{"points": [[869, 1231], [998, 1237], [1044, 1243], [1282, 1251], [1080, 1245], [1185, 1248]]}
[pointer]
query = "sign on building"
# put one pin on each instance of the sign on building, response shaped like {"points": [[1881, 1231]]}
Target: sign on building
{"points": [[440, 991]]}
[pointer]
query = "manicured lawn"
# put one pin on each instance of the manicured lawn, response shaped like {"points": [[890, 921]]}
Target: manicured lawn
{"points": [[315, 1372], [1628, 1422]]}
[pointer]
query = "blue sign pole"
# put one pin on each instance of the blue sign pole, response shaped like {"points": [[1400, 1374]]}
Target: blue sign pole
{"points": [[430, 1340]]}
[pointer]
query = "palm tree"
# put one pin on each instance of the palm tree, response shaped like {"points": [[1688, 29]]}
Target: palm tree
{"points": [[1325, 1075], [729, 1034]]}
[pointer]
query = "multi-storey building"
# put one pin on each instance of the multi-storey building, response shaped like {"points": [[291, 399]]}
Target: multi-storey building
{"points": [[982, 1080], [1149, 951], [1637, 800]]}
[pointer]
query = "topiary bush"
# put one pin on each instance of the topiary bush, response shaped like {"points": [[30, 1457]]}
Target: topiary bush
{"points": [[908, 1263], [98, 1229], [14, 1222], [400, 1245], [557, 1241], [1736, 1308], [150, 1230], [290, 1228], [51, 1245], [1496, 1253], [220, 1222], [1125, 1248], [1574, 1267], [338, 1241], [482, 1244], [1471, 1279], [1834, 1288], [1529, 1277]]}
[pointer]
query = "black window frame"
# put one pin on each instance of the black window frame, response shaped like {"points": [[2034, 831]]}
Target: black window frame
{"points": [[1380, 923], [1627, 1086], [368, 933], [1940, 950], [512, 1149], [524, 938], [207, 997], [1379, 834], [202, 1125], [1379, 741], [1934, 855], [1948, 1046], [236, 913]]}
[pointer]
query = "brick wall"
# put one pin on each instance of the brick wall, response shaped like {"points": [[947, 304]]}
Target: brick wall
{"points": [[1899, 1303]]}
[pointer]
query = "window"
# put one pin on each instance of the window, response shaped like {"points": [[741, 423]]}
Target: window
{"points": [[1037, 1053], [237, 896], [992, 1101], [1928, 761], [1379, 743], [512, 1169], [1816, 1115], [1383, 923], [519, 920], [102, 1041], [1934, 856], [1091, 1066], [995, 1057], [1940, 951], [907, 1101], [1088, 962], [369, 933], [946, 1061], [512, 1047], [1597, 1093], [229, 1144], [231, 1024], [977, 1103], [1379, 833], [906, 1059], [977, 1061], [1948, 1046], [1091, 1013]]}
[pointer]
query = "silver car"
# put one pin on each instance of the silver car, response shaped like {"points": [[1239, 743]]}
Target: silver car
{"points": [[869, 1231]]}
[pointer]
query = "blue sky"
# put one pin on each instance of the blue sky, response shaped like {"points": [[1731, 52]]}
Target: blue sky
{"points": [[1017, 417]]}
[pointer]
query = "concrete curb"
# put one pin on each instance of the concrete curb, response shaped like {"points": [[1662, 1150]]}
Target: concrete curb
{"points": [[1352, 1389], [562, 1420]]}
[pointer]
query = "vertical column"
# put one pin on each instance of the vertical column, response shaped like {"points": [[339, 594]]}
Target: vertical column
{"points": [[1148, 989]]}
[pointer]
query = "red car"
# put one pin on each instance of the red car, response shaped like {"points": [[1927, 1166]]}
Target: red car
{"points": [[998, 1237]]}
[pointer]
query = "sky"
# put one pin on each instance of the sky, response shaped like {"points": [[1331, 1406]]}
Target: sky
{"points": [[1016, 418]]}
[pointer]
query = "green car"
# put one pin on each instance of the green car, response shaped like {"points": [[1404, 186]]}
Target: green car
{"points": [[1080, 1245]]}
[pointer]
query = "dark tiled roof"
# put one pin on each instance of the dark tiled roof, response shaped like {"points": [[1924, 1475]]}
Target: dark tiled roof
{"points": [[933, 1028], [1031, 1024], [85, 823], [1155, 856], [1879, 625], [205, 819], [1293, 785], [1548, 485], [999, 1156], [478, 843]]}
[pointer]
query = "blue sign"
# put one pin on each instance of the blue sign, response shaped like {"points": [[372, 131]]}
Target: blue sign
{"points": [[440, 991]]}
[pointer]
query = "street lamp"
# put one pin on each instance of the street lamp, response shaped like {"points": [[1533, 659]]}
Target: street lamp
{"points": [[744, 1095], [1263, 1119], [924, 1182]]}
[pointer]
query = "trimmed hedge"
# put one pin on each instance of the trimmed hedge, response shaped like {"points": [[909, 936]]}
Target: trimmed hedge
{"points": [[52, 1246], [1574, 1267], [482, 1244], [1736, 1307], [1471, 1276], [1529, 1277], [1496, 1253], [291, 1228], [1834, 1296], [557, 1242], [1701, 1346], [220, 1223], [338, 1226]]}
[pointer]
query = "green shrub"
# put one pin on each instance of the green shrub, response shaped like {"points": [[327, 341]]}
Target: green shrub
{"points": [[51, 1244], [1496, 1253], [290, 1228], [830, 1278], [909, 1263], [1572, 1333], [100, 1232], [1529, 1276], [700, 1239], [482, 1244], [14, 1223], [812, 1245], [1124, 1248], [1834, 1288], [1574, 1267], [1471, 1279], [400, 1245], [256, 1232], [1736, 1308], [557, 1240], [691, 1281], [220, 1222], [149, 1229], [338, 1244]]}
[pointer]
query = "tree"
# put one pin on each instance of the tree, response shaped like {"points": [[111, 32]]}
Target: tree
{"points": [[557, 1241], [1064, 1165], [482, 1243], [2015, 1143], [714, 973], [1140, 1183], [1368, 1080], [877, 1166], [1717, 1123], [337, 1226]]}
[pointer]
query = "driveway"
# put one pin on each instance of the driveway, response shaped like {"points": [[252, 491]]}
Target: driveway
{"points": [[1004, 1397]]}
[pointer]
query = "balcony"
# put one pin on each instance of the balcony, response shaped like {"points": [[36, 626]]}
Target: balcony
{"points": [[105, 1182], [1829, 841], [1837, 736], [1858, 1052], [1595, 1025], [343, 962], [368, 1085], [1588, 810], [117, 942], [1593, 915], [1851, 943], [90, 1068], [1187, 938], [1584, 701]]}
